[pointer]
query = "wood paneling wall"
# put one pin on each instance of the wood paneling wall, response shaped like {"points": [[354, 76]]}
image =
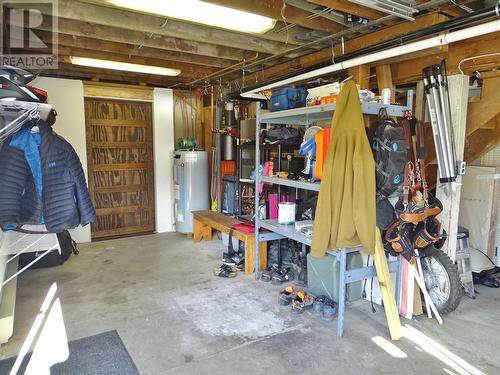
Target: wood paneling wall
{"points": [[120, 164]]}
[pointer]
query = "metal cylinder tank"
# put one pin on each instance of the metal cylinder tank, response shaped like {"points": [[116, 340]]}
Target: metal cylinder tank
{"points": [[229, 146], [190, 187]]}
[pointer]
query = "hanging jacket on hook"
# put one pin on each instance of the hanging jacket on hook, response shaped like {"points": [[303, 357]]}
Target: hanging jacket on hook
{"points": [[42, 182], [345, 213]]}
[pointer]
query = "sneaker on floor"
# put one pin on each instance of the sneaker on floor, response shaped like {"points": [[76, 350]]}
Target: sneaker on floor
{"points": [[267, 274], [282, 275], [329, 311], [225, 271], [302, 302], [232, 260], [240, 266], [286, 295], [318, 305]]}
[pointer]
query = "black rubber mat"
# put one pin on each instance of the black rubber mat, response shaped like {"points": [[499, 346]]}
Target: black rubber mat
{"points": [[102, 354]]}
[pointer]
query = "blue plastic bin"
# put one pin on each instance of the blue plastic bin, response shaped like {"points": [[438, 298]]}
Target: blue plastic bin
{"points": [[288, 98]]}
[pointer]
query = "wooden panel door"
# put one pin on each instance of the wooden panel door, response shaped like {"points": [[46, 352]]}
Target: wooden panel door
{"points": [[120, 164]]}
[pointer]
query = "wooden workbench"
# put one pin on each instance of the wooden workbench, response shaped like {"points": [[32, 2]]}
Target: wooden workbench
{"points": [[206, 221]]}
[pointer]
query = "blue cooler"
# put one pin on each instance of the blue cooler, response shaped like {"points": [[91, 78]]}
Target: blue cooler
{"points": [[288, 98]]}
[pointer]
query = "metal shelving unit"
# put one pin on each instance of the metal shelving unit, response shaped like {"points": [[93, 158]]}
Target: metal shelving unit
{"points": [[313, 186], [280, 231], [306, 116]]}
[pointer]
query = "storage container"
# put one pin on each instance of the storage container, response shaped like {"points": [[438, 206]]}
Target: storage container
{"points": [[315, 94], [323, 276], [288, 98]]}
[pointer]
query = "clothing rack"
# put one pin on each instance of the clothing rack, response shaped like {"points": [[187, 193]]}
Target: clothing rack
{"points": [[12, 243], [15, 114]]}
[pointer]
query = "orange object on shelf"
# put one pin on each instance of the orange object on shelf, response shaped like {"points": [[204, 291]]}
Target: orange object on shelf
{"points": [[328, 99], [320, 155], [227, 167], [327, 133], [322, 140]]}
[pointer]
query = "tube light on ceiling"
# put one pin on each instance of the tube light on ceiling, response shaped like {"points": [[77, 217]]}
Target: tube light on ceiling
{"points": [[127, 67], [201, 12], [435, 41]]}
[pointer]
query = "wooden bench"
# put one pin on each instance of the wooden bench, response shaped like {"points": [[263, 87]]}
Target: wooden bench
{"points": [[206, 221]]}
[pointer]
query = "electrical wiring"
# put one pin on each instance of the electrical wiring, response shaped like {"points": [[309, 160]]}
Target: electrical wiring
{"points": [[474, 58]]}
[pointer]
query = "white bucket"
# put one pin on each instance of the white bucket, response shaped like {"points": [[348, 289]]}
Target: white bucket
{"points": [[286, 213]]}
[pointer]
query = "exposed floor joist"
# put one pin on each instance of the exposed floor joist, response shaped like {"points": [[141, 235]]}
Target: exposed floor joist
{"points": [[74, 41], [102, 15], [94, 28], [152, 40], [350, 46]]}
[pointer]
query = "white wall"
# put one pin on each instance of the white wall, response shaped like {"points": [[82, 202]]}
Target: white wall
{"points": [[163, 137], [66, 96]]}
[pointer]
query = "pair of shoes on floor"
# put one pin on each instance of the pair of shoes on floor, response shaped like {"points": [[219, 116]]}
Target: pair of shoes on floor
{"points": [[324, 308], [226, 271], [234, 259], [300, 300], [277, 275]]}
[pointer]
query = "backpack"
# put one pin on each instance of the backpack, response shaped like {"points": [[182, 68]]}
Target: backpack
{"points": [[390, 153], [53, 258]]}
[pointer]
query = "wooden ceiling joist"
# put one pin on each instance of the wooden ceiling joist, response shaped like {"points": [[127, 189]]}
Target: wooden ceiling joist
{"points": [[102, 15], [410, 71], [151, 40], [350, 46], [73, 41]]}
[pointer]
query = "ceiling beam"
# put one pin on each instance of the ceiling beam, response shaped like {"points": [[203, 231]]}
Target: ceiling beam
{"points": [[346, 6], [351, 45], [480, 142], [74, 41], [102, 15], [279, 10], [411, 70], [278, 34], [282, 36], [187, 70], [142, 39]]}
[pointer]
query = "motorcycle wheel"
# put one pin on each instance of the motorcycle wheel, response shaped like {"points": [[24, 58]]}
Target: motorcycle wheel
{"points": [[441, 280]]}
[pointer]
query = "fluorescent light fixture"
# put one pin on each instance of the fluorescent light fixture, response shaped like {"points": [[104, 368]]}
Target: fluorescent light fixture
{"points": [[127, 67], [201, 12], [420, 45]]}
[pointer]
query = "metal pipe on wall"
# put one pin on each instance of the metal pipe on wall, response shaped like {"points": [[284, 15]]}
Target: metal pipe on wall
{"points": [[352, 30], [360, 58], [218, 122]]}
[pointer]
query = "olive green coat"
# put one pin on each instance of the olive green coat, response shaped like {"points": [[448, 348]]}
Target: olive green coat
{"points": [[345, 213]]}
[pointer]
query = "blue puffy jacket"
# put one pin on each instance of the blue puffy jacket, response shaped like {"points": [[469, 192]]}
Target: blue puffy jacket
{"points": [[42, 182]]}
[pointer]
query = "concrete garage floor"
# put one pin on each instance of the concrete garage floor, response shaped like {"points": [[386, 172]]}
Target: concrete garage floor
{"points": [[175, 317]]}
